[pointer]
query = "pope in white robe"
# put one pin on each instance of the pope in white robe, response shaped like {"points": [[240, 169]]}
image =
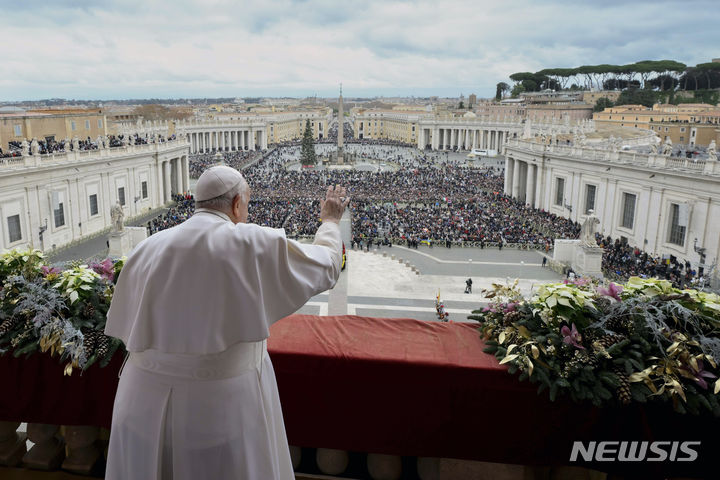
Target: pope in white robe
{"points": [[197, 397]]}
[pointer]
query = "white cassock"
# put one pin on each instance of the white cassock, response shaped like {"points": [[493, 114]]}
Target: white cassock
{"points": [[197, 397]]}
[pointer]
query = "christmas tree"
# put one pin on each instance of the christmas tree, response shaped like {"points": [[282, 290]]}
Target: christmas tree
{"points": [[307, 152]]}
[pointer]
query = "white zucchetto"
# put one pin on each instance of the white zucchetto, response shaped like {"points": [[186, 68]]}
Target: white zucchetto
{"points": [[216, 181]]}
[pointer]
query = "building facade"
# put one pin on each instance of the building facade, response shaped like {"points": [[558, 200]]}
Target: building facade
{"points": [[446, 132], [55, 125], [689, 124], [663, 205], [47, 201], [252, 132]]}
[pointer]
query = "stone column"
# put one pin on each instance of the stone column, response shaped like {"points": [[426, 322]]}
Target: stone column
{"points": [[530, 185], [539, 185], [83, 449], [251, 139], [435, 138], [509, 170], [186, 173], [12, 444], [49, 449], [516, 180], [166, 182]]}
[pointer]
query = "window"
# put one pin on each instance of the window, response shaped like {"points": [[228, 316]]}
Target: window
{"points": [[18, 130], [589, 198], [99, 122], [559, 191], [682, 129], [628, 215], [682, 139], [73, 126], [87, 124], [143, 187], [93, 205], [59, 214], [14, 231], [678, 224], [121, 195]]}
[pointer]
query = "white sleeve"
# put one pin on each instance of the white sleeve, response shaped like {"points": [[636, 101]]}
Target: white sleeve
{"points": [[302, 271]]}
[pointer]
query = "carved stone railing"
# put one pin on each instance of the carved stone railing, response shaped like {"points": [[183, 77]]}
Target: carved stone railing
{"points": [[648, 160], [81, 156]]}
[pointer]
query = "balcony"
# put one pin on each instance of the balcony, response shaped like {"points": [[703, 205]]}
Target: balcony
{"points": [[362, 398]]}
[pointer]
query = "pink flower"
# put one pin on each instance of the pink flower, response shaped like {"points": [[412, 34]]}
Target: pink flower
{"points": [[105, 269], [49, 270], [700, 374], [571, 336], [613, 291]]}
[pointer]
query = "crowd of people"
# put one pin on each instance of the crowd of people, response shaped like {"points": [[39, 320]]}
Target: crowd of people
{"points": [[428, 199], [183, 209], [49, 146], [621, 261]]}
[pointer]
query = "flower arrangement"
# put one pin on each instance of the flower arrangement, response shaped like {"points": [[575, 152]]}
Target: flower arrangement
{"points": [[643, 341], [60, 312]]}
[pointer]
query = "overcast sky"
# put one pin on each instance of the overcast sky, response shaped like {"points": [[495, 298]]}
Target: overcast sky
{"points": [[103, 49]]}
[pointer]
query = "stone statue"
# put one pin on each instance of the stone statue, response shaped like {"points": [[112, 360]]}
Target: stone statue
{"points": [[132, 139], [76, 144], [712, 154], [587, 230], [100, 143], [35, 147], [667, 147], [25, 147], [653, 148], [117, 215], [66, 145]]}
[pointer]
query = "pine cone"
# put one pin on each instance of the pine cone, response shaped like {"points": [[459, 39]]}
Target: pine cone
{"points": [[607, 341], [89, 311], [7, 325], [603, 304], [512, 317], [89, 341], [623, 390], [617, 324], [103, 345]]}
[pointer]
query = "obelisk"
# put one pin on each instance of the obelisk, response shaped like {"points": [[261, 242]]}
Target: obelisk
{"points": [[341, 128]]}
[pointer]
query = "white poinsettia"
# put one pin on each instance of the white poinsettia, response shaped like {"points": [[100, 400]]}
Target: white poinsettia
{"points": [[75, 280]]}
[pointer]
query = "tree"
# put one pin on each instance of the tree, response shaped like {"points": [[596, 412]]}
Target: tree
{"points": [[637, 96], [307, 150], [461, 105], [500, 90], [602, 104], [517, 90]]}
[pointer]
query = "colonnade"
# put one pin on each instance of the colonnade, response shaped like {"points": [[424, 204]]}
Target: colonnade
{"points": [[173, 178], [462, 138], [227, 140], [523, 181]]}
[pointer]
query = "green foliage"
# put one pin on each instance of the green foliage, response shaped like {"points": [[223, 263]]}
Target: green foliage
{"points": [[461, 105], [307, 149], [500, 90], [58, 312], [633, 96], [642, 342], [602, 103]]}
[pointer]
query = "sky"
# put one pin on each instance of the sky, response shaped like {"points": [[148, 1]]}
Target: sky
{"points": [[119, 49]]}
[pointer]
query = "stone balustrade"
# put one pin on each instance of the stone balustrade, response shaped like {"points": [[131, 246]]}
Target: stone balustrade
{"points": [[81, 156], [647, 160]]}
